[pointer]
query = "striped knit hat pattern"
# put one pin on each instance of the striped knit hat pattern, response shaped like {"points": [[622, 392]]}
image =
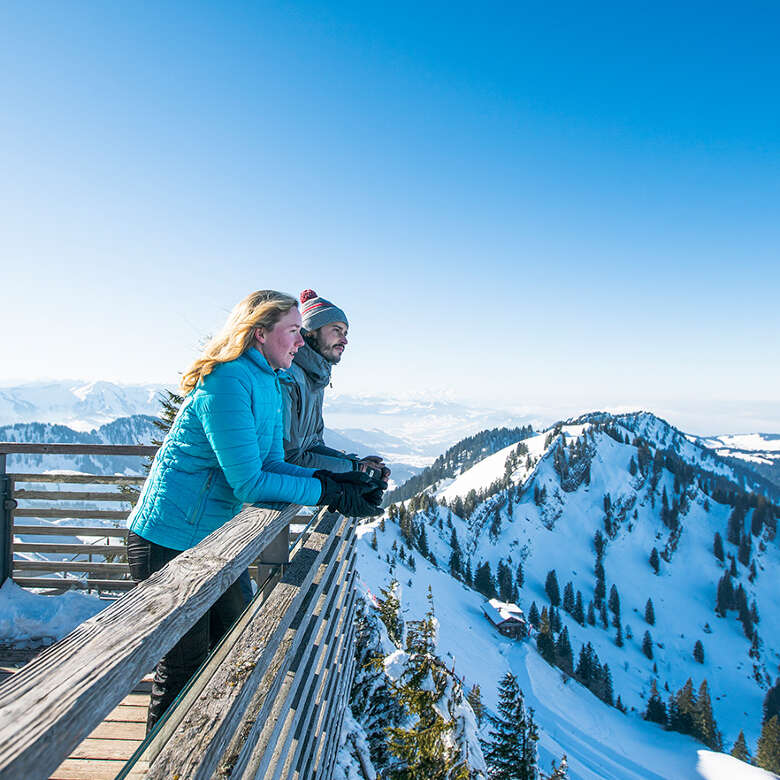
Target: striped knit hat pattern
{"points": [[316, 311]]}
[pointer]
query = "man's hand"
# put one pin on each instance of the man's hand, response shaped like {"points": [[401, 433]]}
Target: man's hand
{"points": [[376, 461]]}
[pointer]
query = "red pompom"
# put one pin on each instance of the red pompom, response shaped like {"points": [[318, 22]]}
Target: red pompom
{"points": [[307, 295]]}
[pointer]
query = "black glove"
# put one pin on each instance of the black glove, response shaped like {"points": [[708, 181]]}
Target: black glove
{"points": [[375, 488], [345, 493]]}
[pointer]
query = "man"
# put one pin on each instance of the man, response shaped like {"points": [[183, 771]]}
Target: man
{"points": [[324, 333]]}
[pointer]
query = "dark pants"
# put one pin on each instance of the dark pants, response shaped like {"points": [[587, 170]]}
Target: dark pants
{"points": [[177, 666]]}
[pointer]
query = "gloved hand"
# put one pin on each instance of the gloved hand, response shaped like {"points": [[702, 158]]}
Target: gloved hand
{"points": [[376, 489], [377, 462], [345, 493]]}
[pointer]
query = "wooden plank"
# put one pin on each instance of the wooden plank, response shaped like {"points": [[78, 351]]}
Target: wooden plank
{"points": [[198, 743], [69, 530], [70, 495], [288, 750], [81, 769], [60, 583], [120, 730], [83, 566], [35, 448], [79, 479], [57, 699], [257, 730], [111, 749], [127, 714], [105, 514], [70, 549]]}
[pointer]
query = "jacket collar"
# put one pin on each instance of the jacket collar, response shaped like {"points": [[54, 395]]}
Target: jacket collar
{"points": [[314, 365], [258, 358]]}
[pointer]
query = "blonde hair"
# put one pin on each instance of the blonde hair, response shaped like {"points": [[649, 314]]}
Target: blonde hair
{"points": [[261, 309]]}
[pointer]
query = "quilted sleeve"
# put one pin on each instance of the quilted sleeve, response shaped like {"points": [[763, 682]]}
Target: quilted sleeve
{"points": [[224, 407]]}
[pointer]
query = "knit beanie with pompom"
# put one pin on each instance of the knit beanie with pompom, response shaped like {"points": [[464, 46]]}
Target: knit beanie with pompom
{"points": [[316, 311]]}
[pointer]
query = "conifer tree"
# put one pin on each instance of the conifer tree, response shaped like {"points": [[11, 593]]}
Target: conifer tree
{"points": [[649, 612], [568, 598], [591, 614], [614, 601], [654, 560], [420, 748], [545, 643], [475, 700], [520, 576], [564, 657], [682, 709], [705, 728], [740, 749], [374, 544], [533, 615], [483, 581], [390, 611], [698, 652], [505, 583], [768, 753], [456, 562], [552, 589], [772, 701], [579, 613], [647, 645], [510, 751], [717, 547], [656, 709]]}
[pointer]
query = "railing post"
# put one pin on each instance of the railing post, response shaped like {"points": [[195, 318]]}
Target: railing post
{"points": [[6, 524], [277, 554]]}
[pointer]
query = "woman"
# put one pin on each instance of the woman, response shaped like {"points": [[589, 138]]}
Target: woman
{"points": [[224, 449]]}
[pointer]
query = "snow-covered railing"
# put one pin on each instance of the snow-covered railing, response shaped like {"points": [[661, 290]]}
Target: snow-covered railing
{"points": [[268, 702]]}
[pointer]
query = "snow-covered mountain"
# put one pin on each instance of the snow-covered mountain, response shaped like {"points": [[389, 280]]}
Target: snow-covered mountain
{"points": [[760, 450], [138, 429], [78, 405], [629, 485]]}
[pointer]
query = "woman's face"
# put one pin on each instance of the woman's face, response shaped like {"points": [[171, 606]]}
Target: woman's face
{"points": [[280, 344]]}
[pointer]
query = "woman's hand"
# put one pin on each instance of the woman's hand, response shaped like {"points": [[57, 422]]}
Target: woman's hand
{"points": [[352, 493]]}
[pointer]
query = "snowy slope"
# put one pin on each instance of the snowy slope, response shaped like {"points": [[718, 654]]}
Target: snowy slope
{"points": [[558, 534]]}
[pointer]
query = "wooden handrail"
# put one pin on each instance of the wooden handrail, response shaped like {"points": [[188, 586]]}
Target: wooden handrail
{"points": [[54, 702], [35, 448]]}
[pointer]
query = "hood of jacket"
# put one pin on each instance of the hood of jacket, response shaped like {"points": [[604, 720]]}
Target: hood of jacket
{"points": [[315, 366]]}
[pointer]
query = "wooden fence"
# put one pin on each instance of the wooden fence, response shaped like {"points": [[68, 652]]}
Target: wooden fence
{"points": [[268, 703]]}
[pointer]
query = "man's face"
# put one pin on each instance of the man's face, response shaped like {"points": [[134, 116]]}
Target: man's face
{"points": [[331, 341]]}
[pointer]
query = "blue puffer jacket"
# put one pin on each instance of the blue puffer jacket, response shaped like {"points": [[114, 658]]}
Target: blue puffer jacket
{"points": [[223, 450]]}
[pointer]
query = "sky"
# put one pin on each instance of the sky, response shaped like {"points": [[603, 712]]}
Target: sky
{"points": [[514, 204]]}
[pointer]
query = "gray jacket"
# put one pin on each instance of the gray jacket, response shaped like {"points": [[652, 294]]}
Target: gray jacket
{"points": [[303, 387]]}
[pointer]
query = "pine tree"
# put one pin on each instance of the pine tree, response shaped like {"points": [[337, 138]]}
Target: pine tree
{"points": [[568, 598], [591, 614], [705, 728], [740, 749], [475, 700], [564, 657], [614, 601], [682, 709], [768, 753], [374, 544], [654, 560], [552, 589], [505, 583], [520, 576], [533, 615], [698, 652], [545, 643], [649, 612], [420, 747], [772, 702], [717, 547], [744, 549], [389, 612], [510, 751], [456, 562], [656, 709], [579, 612], [483, 581], [647, 645]]}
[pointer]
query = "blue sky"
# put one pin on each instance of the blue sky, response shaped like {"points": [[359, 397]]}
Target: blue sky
{"points": [[513, 204]]}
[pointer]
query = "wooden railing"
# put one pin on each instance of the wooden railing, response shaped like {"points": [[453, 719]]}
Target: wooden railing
{"points": [[269, 701]]}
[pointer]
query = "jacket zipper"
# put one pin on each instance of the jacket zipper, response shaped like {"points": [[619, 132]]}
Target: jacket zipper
{"points": [[201, 499]]}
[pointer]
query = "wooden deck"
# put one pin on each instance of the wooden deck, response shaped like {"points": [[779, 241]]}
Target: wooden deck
{"points": [[102, 755]]}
